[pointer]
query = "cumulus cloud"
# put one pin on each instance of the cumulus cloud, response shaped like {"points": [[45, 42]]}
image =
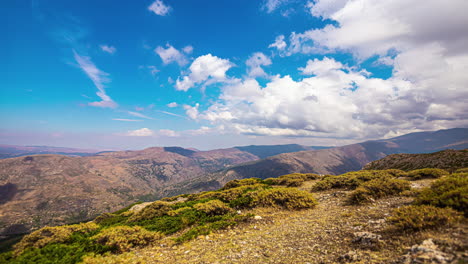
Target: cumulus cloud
{"points": [[171, 54], [367, 27], [427, 88], [98, 77], [108, 49], [191, 111], [317, 67], [279, 43], [205, 70], [336, 102], [255, 63], [173, 104], [142, 132], [159, 8]]}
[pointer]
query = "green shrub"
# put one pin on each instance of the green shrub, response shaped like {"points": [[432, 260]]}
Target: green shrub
{"points": [[350, 180], [179, 211], [156, 209], [396, 172], [231, 194], [449, 191], [48, 235], [426, 173], [416, 218], [125, 258], [292, 180], [123, 238], [462, 170], [288, 198], [213, 207], [243, 182], [376, 189]]}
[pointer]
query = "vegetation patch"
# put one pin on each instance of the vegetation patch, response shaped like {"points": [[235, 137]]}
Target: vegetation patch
{"points": [[127, 258], [288, 198], [351, 180], [49, 235], [378, 188], [122, 238], [292, 180], [213, 207], [416, 218], [449, 191], [427, 173]]}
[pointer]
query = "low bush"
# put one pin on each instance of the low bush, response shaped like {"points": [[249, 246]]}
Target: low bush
{"points": [[416, 218], [292, 180], [426, 173], [450, 191], [462, 170], [243, 182], [48, 235], [350, 180], [376, 189], [288, 198], [127, 258], [213, 207], [156, 209], [122, 238]]}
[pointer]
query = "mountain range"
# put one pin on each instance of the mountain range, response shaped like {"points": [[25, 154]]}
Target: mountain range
{"points": [[38, 190]]}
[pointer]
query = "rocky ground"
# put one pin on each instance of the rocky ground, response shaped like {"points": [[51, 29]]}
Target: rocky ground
{"points": [[333, 232]]}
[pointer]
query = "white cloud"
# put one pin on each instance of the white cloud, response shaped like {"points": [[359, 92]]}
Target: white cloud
{"points": [[191, 111], [173, 104], [255, 63], [139, 115], [342, 102], [368, 27], [279, 43], [168, 133], [143, 132], [108, 49], [188, 49], [98, 77], [159, 8], [206, 70], [271, 5], [317, 67], [126, 120], [171, 54], [169, 113]]}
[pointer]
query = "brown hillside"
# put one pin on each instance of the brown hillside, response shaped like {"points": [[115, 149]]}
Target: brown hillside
{"points": [[53, 189], [447, 160]]}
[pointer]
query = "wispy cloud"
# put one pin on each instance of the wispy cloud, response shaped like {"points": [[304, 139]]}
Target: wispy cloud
{"points": [[139, 115], [159, 8], [126, 120], [98, 77], [108, 49], [169, 113]]}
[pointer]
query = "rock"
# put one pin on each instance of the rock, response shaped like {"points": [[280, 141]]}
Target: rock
{"points": [[426, 252], [367, 239], [257, 217], [351, 256]]}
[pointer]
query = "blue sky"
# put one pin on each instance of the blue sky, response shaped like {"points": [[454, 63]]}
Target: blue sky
{"points": [[210, 74]]}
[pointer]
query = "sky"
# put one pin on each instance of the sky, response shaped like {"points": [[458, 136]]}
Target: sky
{"points": [[219, 73]]}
